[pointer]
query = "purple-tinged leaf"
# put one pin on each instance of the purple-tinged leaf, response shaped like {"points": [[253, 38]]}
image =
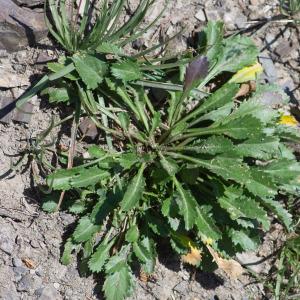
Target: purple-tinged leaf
{"points": [[195, 71]]}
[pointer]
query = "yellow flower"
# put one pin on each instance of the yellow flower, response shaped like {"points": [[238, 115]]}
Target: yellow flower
{"points": [[247, 74], [288, 120], [208, 241]]}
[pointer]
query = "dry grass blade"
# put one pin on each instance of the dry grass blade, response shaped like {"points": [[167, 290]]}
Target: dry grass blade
{"points": [[230, 266]]}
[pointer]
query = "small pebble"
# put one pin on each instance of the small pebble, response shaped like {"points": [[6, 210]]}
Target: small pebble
{"points": [[270, 38], [200, 15], [39, 272], [48, 293], [213, 15], [270, 71], [19, 240], [34, 244], [56, 285]]}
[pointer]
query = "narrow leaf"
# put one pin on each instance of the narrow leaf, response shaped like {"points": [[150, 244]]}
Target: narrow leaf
{"points": [[278, 210], [240, 206], [66, 179], [118, 285], [207, 229], [134, 191], [259, 147], [100, 256], [187, 204], [126, 71], [144, 250], [85, 229], [169, 165], [243, 239], [132, 234], [69, 247]]}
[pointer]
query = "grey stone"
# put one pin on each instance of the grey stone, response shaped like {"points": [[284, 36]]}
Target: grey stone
{"points": [[270, 71], [56, 285], [21, 56], [184, 274], [39, 272], [44, 57], [270, 38], [6, 245], [251, 260], [288, 86], [241, 21], [48, 293], [19, 68], [3, 53], [200, 15], [284, 49], [234, 19], [19, 27], [34, 244], [19, 240], [88, 128], [8, 111], [66, 218], [213, 15], [10, 78], [17, 262], [286, 34], [19, 272], [181, 287], [25, 284], [29, 3]]}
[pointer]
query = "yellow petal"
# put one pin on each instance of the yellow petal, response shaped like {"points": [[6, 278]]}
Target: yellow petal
{"points": [[288, 120], [194, 257], [208, 241], [247, 74]]}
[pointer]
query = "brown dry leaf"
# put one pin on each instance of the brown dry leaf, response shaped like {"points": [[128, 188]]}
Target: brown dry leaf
{"points": [[144, 276], [29, 263], [245, 89], [230, 266], [63, 147], [193, 258]]}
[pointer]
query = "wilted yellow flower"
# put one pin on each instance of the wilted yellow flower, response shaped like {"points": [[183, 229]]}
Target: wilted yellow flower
{"points": [[194, 257], [288, 120], [247, 74]]}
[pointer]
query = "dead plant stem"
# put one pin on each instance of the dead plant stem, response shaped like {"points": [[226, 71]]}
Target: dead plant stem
{"points": [[70, 157]]}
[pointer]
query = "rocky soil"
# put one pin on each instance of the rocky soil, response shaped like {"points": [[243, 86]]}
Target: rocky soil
{"points": [[30, 240]]}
